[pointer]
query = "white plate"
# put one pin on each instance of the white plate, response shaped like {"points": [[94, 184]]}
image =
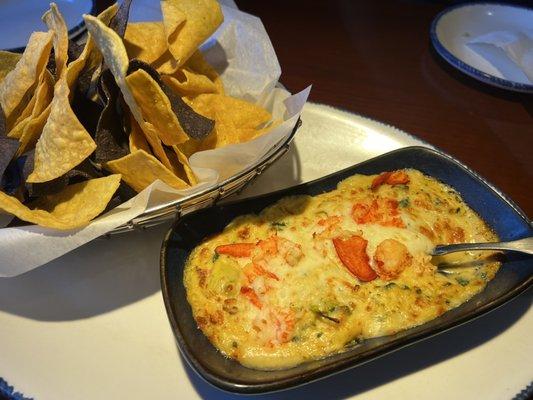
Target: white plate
{"points": [[92, 324], [454, 27], [19, 18]]}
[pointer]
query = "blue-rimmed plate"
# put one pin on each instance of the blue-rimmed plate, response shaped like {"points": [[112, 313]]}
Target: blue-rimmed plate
{"points": [[19, 18], [453, 28]]}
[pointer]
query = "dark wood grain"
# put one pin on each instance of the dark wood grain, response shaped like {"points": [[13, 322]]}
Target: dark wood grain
{"points": [[375, 58]]}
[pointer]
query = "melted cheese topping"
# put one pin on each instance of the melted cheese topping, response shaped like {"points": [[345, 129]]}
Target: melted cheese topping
{"points": [[310, 276]]}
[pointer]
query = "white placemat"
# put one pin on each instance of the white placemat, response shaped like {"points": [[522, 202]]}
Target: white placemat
{"points": [[92, 325]]}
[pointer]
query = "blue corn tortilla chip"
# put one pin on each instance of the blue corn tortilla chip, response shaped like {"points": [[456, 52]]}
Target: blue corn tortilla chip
{"points": [[82, 172], [120, 21], [39, 189], [194, 125], [74, 50], [84, 107], [87, 112], [111, 132], [27, 160], [51, 65], [3, 122], [8, 146], [12, 180], [123, 194]]}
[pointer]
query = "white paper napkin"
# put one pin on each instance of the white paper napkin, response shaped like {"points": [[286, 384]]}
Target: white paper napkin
{"points": [[510, 52]]}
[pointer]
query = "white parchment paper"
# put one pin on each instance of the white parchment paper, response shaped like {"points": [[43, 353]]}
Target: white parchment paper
{"points": [[242, 53]]}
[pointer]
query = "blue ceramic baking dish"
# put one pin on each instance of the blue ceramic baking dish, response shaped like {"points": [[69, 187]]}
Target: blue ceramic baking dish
{"points": [[500, 213]]}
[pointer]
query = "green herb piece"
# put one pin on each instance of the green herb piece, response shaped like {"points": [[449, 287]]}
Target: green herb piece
{"points": [[353, 342], [405, 287], [404, 202], [390, 285], [319, 334], [380, 318], [324, 315], [418, 290], [295, 338], [446, 284], [462, 281], [215, 256], [278, 225], [483, 276], [235, 344]]}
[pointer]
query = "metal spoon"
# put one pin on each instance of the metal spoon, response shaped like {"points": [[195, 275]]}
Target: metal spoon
{"points": [[522, 245], [445, 266]]}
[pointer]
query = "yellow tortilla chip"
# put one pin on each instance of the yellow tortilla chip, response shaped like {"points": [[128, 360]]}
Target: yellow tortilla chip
{"points": [[155, 107], [197, 63], [241, 113], [64, 142], [173, 18], [140, 169], [188, 23], [191, 146], [17, 130], [137, 140], [194, 79], [55, 22], [89, 58], [247, 134], [236, 121], [177, 167], [32, 131], [191, 177], [73, 207], [155, 143], [27, 110], [8, 61], [17, 87], [40, 100], [166, 65], [43, 94], [189, 83], [225, 133], [145, 41]]}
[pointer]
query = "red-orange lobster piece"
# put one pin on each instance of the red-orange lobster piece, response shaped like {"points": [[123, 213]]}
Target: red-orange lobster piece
{"points": [[352, 253], [390, 178]]}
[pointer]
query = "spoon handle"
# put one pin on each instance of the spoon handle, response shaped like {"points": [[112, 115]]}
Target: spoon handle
{"points": [[522, 245]]}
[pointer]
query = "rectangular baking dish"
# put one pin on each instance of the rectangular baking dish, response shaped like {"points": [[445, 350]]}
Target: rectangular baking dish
{"points": [[500, 213]]}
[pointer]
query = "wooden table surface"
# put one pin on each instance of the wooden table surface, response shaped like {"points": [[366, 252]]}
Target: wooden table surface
{"points": [[375, 58]]}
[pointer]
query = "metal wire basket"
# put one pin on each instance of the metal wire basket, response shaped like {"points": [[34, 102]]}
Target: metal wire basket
{"points": [[235, 184]]}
